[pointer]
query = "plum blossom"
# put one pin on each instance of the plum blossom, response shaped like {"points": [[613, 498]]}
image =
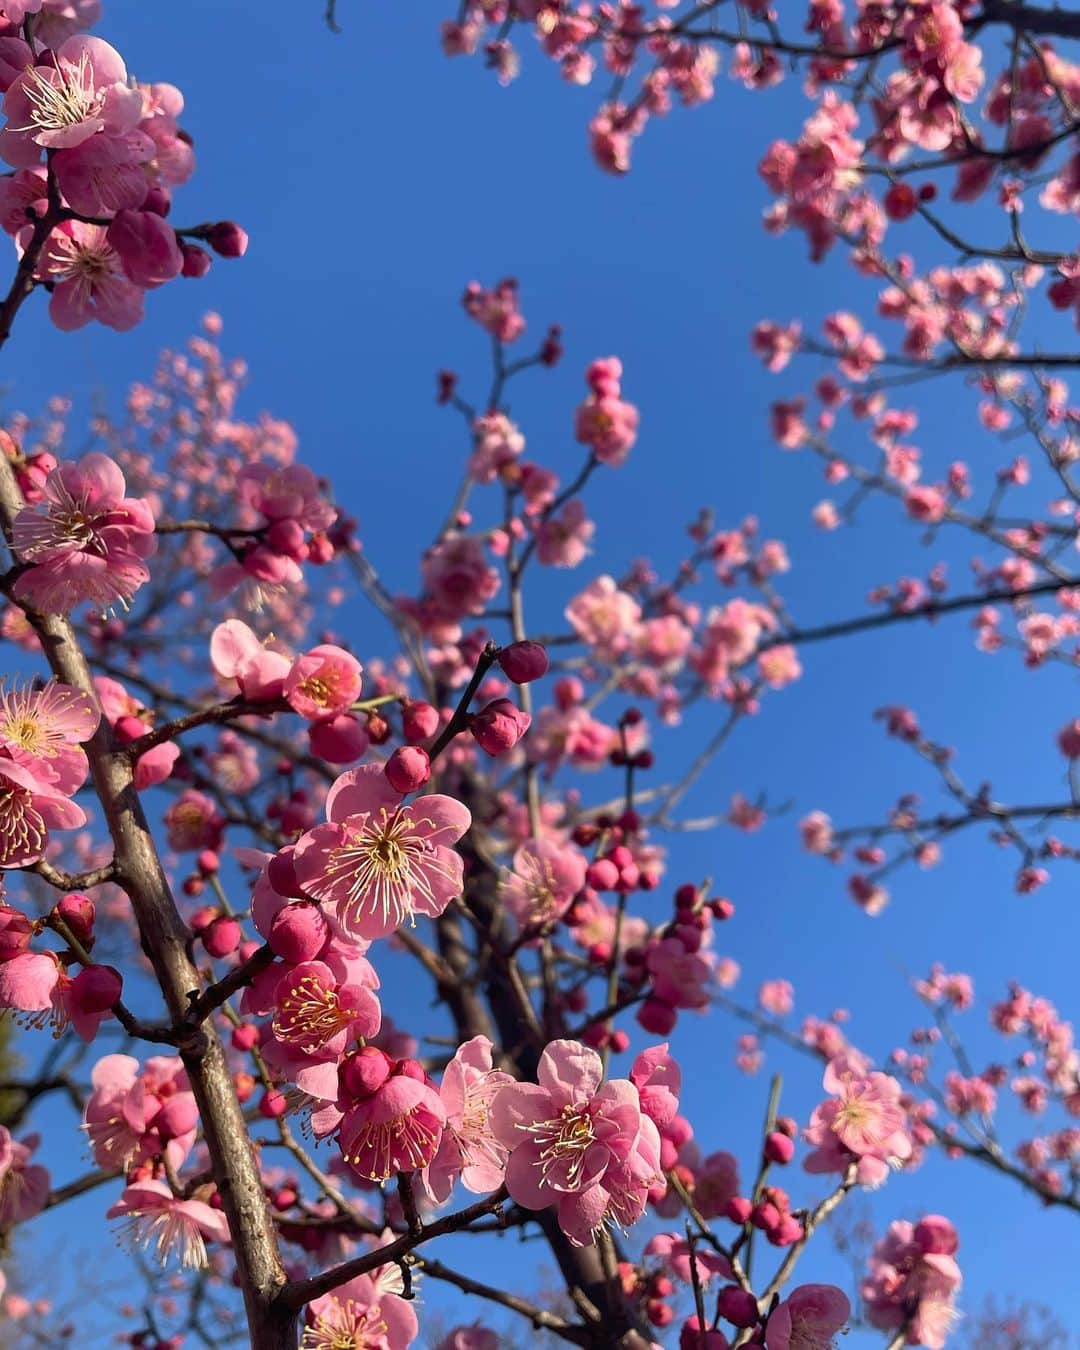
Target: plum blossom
{"points": [[85, 540], [808, 1319], [155, 1218], [543, 883], [24, 1186], [378, 861], [469, 1150], [585, 1148], [43, 730], [912, 1280], [138, 1113], [864, 1122], [366, 1311]]}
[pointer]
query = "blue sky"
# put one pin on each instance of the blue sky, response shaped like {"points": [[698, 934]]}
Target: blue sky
{"points": [[376, 178]]}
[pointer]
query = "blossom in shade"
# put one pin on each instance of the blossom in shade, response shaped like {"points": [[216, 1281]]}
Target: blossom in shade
{"points": [[587, 1149], [808, 1319], [379, 861], [470, 1150], [85, 539], [156, 1219], [544, 881], [24, 1186], [42, 729], [89, 279], [368, 1311]]}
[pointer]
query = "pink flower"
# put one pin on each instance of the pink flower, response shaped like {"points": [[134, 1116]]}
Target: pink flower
{"points": [[604, 421], [808, 1318], [42, 729], [497, 443], [236, 653], [193, 822], [674, 1254], [136, 1114], [777, 997], [367, 1311], [715, 1183], [28, 810], [499, 725], [286, 492], [474, 1337], [563, 540], [24, 1186], [864, 1122], [85, 539], [458, 576], [605, 617], [379, 862], [322, 682], [469, 1150], [156, 1219], [912, 1281], [89, 280], [544, 880], [318, 1014], [83, 91], [391, 1126], [583, 1147]]}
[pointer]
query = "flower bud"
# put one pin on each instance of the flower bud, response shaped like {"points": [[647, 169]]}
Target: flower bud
{"points": [[298, 932], [779, 1148], [657, 1017], [227, 239], [408, 768], [499, 726], [196, 260], [524, 662], [419, 721], [736, 1306], [96, 988], [365, 1072], [78, 912], [222, 937]]}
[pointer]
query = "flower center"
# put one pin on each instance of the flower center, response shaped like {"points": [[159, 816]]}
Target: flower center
{"points": [[346, 1327], [563, 1143], [22, 829], [310, 1014], [26, 731], [61, 97]]}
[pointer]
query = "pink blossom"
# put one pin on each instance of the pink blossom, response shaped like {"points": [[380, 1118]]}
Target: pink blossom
{"points": [[135, 1114], [28, 810], [89, 280], [367, 1310], [391, 1126], [543, 883], [43, 729], [84, 91], [86, 540], [583, 1147], [604, 617], [808, 1319], [379, 862], [864, 1121], [469, 1150], [912, 1280], [562, 540], [323, 682], [156, 1219], [777, 997], [24, 1186]]}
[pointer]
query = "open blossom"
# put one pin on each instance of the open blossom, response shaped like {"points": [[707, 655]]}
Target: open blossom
{"points": [[237, 654], [317, 1012], [323, 681], [562, 540], [393, 1118], [379, 861], [863, 1122], [604, 421], [469, 1149], [584, 1147], [43, 730], [808, 1319], [89, 279], [157, 1220], [24, 1186], [366, 1311], [28, 810], [86, 540], [136, 1113], [605, 617], [912, 1280], [81, 92], [544, 880]]}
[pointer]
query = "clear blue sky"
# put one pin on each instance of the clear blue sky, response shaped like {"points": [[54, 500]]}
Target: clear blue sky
{"points": [[376, 178]]}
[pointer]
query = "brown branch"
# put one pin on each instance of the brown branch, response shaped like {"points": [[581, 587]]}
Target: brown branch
{"points": [[298, 1292]]}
